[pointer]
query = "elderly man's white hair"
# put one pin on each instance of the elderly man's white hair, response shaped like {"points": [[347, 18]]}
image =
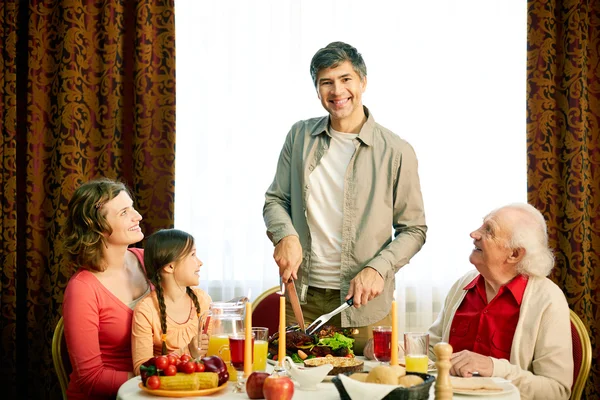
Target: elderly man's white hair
{"points": [[527, 230]]}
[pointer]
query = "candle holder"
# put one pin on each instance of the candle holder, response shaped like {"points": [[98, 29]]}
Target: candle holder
{"points": [[279, 370]]}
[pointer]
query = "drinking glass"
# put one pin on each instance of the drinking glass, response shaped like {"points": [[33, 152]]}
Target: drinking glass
{"points": [[416, 348], [382, 343], [237, 342], [261, 347]]}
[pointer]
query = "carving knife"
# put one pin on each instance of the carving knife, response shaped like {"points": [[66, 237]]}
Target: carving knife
{"points": [[290, 288]]}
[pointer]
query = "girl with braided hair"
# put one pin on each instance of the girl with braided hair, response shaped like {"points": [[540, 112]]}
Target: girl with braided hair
{"points": [[166, 321]]}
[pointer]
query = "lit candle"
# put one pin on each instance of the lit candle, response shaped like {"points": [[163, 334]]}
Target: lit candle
{"points": [[394, 349], [281, 355], [248, 341]]}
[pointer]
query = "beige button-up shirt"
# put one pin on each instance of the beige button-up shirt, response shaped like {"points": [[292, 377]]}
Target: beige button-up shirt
{"points": [[382, 193]]}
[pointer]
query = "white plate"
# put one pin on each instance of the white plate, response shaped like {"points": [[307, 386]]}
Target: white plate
{"points": [[506, 388]]}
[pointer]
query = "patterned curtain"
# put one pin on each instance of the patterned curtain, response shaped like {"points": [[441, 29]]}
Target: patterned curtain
{"points": [[563, 147], [91, 86]]}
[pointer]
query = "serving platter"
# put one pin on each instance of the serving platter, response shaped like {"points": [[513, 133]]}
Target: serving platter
{"points": [[182, 393]]}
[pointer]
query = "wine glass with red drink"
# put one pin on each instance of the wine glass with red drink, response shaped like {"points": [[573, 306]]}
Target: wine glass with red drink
{"points": [[237, 342], [382, 343]]}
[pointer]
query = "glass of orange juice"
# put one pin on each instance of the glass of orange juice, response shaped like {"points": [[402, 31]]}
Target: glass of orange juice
{"points": [[416, 350], [261, 344], [215, 343]]}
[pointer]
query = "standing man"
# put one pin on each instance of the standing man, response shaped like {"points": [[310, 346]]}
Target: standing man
{"points": [[343, 183]]}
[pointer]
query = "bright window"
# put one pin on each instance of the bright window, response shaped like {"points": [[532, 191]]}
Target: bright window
{"points": [[447, 76]]}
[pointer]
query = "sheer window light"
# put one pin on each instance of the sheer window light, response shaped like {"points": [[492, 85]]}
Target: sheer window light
{"points": [[447, 76]]}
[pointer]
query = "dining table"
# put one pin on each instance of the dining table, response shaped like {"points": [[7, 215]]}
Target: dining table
{"points": [[326, 390]]}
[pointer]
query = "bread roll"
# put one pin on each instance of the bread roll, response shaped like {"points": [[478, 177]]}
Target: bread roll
{"points": [[359, 376], [383, 374], [410, 380]]}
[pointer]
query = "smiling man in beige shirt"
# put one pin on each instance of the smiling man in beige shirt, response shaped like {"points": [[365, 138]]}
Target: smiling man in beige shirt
{"points": [[343, 184]]}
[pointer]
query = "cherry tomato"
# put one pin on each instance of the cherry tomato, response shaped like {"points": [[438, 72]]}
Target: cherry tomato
{"points": [[161, 362], [179, 366], [189, 367], [170, 370], [153, 382], [172, 359], [185, 358], [200, 367]]}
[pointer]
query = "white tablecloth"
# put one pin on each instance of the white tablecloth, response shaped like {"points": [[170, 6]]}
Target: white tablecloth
{"points": [[326, 391]]}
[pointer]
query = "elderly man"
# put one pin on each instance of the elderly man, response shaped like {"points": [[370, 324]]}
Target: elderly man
{"points": [[507, 319]]}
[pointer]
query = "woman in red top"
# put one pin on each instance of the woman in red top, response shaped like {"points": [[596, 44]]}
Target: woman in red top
{"points": [[99, 298]]}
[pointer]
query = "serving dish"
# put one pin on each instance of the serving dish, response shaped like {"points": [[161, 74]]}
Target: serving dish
{"points": [[182, 393]]}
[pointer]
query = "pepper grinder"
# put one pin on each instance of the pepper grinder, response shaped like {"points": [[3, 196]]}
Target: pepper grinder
{"points": [[443, 387]]}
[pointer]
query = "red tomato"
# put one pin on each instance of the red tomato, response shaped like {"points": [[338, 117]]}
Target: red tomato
{"points": [[185, 358], [170, 370], [199, 367], [189, 367], [172, 359], [153, 382], [161, 362], [179, 366]]}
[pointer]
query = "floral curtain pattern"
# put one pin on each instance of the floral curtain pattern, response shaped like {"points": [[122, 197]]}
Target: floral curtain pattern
{"points": [[563, 148], [98, 100], [8, 211]]}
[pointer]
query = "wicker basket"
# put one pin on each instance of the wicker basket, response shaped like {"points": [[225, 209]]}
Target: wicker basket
{"points": [[419, 392]]}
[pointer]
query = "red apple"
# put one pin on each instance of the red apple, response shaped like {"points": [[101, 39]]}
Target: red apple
{"points": [[278, 388], [254, 385]]}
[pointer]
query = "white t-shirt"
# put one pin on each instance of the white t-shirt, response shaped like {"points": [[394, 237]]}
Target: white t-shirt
{"points": [[325, 210]]}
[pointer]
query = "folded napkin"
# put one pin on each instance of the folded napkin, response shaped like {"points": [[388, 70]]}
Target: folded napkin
{"points": [[475, 384], [362, 390]]}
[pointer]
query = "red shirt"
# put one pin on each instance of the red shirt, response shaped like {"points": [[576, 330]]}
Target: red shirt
{"points": [[488, 329], [98, 335]]}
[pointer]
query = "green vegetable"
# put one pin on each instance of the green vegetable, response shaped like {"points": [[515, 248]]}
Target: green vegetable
{"points": [[338, 341], [296, 358]]}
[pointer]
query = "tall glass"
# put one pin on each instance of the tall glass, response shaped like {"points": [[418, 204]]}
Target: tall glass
{"points": [[261, 348], [416, 348], [235, 348], [382, 343]]}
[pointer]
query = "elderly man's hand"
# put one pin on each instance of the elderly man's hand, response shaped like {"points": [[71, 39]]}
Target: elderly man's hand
{"points": [[365, 286], [465, 363], [288, 256]]}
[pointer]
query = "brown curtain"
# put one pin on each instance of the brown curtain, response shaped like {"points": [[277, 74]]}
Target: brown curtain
{"points": [[91, 86], [563, 147]]}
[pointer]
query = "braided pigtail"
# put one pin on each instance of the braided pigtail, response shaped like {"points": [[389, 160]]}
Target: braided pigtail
{"points": [[191, 293], [163, 314], [163, 248]]}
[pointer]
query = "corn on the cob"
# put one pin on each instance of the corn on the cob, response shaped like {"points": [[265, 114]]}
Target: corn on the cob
{"points": [[180, 381], [207, 380], [195, 381]]}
